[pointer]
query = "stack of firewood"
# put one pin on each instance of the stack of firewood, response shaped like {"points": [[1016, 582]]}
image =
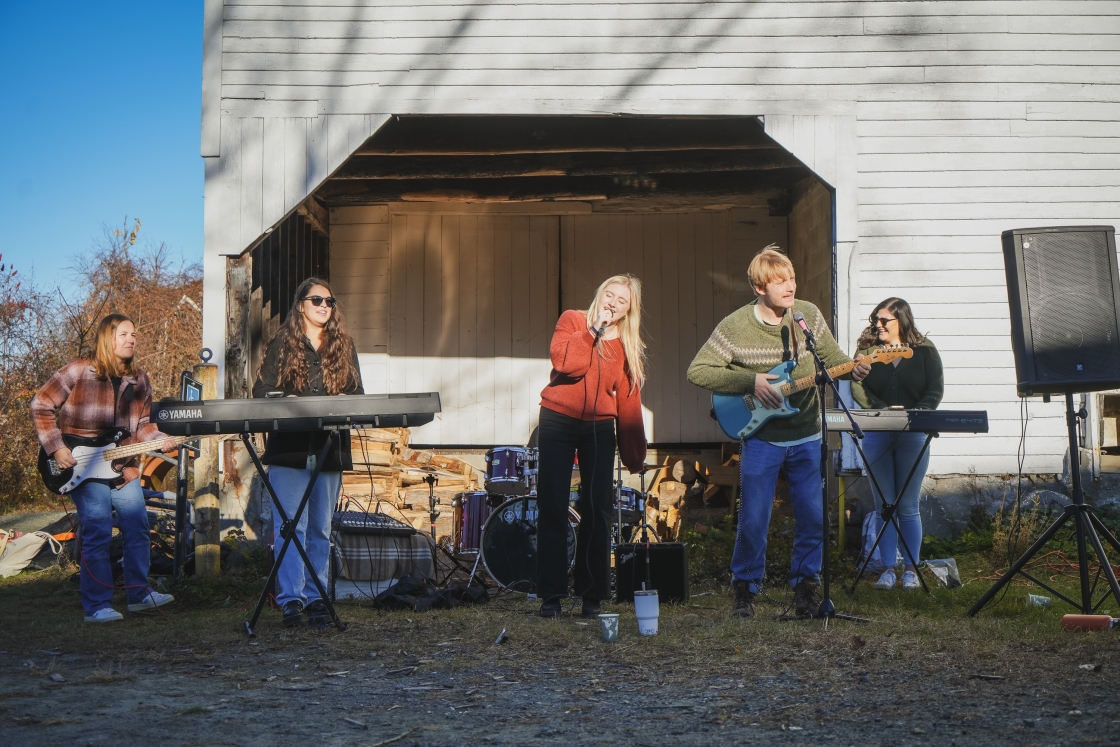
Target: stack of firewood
{"points": [[681, 482], [387, 471]]}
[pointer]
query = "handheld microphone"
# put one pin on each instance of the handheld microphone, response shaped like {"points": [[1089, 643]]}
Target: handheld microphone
{"points": [[799, 318], [602, 328]]}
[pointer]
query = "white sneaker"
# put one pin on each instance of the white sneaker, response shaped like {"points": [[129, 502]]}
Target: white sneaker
{"points": [[151, 601], [910, 580], [886, 581], [104, 615]]}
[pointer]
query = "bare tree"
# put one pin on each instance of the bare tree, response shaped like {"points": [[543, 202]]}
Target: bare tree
{"points": [[40, 331]]}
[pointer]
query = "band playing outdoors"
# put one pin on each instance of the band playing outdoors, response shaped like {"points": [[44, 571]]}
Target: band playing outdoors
{"points": [[760, 364]]}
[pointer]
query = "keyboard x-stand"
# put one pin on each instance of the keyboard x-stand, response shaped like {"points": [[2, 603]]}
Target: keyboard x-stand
{"points": [[930, 422], [331, 414]]}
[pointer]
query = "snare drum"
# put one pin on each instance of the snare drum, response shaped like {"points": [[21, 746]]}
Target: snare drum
{"points": [[509, 551], [511, 470], [471, 510]]}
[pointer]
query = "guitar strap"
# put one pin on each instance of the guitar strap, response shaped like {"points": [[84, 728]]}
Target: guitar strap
{"points": [[793, 336]]}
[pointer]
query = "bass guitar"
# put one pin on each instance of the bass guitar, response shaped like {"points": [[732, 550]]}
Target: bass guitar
{"points": [[98, 458], [740, 416]]}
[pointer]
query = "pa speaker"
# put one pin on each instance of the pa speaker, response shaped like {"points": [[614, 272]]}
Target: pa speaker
{"points": [[1063, 289], [668, 570]]}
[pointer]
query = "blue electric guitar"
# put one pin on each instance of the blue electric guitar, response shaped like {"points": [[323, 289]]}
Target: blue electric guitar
{"points": [[740, 416]]}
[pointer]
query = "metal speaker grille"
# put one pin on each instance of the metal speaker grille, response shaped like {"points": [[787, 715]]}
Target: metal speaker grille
{"points": [[1070, 306]]}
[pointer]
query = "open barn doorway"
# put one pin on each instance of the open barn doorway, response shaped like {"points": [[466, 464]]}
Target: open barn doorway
{"points": [[456, 241]]}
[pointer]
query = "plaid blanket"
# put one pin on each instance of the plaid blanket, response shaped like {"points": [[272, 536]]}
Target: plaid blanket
{"points": [[371, 557]]}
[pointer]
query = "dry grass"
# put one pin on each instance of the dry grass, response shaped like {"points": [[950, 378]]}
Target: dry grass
{"points": [[907, 627]]}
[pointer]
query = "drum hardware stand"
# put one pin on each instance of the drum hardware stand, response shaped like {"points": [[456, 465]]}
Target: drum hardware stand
{"points": [[1087, 527], [288, 527], [827, 609], [437, 548]]}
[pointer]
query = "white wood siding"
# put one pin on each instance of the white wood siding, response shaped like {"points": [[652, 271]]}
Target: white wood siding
{"points": [[969, 118]]}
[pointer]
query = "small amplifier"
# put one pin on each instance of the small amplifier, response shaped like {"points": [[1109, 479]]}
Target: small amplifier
{"points": [[668, 570]]}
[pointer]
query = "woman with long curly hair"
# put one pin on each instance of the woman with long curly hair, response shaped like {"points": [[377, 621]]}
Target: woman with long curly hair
{"points": [[598, 368], [915, 383], [310, 355]]}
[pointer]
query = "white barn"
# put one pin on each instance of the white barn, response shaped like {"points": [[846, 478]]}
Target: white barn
{"points": [[463, 171]]}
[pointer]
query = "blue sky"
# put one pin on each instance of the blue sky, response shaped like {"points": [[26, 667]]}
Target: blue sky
{"points": [[100, 119]]}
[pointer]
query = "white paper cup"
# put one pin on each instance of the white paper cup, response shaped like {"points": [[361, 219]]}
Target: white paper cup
{"points": [[608, 627], [646, 609]]}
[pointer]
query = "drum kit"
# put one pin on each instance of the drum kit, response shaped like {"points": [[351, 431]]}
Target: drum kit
{"points": [[498, 526]]}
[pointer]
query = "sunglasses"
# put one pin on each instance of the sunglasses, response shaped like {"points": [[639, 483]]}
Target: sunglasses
{"points": [[318, 300], [881, 320]]}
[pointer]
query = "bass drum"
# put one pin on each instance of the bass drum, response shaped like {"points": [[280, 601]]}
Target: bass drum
{"points": [[509, 551]]}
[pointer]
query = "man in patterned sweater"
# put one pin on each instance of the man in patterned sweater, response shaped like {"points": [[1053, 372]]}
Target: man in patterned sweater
{"points": [[736, 359]]}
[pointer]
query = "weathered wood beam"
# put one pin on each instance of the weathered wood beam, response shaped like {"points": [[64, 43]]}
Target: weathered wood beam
{"points": [[239, 284], [466, 135], [563, 164], [360, 192], [315, 214], [510, 150]]}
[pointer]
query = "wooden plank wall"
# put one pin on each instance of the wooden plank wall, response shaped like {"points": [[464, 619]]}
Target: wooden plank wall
{"points": [[971, 118], [465, 304], [810, 244], [462, 304], [693, 271]]}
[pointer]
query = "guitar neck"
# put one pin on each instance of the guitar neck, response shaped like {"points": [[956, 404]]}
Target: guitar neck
{"points": [[806, 382], [126, 452]]}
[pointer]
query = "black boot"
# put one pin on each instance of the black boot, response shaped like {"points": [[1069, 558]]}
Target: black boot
{"points": [[744, 600], [550, 607], [806, 601], [591, 608], [293, 614], [318, 618]]}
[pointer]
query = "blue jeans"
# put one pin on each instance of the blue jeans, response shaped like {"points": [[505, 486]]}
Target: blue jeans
{"points": [[95, 502], [759, 463], [313, 530], [892, 456]]}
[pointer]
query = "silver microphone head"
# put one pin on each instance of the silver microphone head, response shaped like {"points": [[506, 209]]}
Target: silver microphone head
{"points": [[798, 316]]}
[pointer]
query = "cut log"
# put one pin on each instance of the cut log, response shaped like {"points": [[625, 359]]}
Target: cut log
{"points": [[684, 472], [674, 519], [671, 495], [661, 474]]}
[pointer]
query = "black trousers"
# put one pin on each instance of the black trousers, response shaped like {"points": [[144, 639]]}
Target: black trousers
{"points": [[559, 439]]}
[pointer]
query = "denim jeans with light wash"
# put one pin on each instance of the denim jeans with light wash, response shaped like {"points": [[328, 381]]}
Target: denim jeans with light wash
{"points": [[313, 530], [892, 456], [96, 502], [759, 463]]}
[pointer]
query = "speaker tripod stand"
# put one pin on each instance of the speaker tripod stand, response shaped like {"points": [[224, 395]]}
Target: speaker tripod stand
{"points": [[1087, 528]]}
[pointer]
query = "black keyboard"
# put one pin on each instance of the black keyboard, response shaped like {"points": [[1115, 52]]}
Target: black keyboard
{"points": [[204, 417], [920, 421], [359, 522]]}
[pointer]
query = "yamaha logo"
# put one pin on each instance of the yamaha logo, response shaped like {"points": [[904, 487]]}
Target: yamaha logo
{"points": [[181, 414]]}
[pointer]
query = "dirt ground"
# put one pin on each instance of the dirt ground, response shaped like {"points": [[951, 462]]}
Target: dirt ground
{"points": [[920, 673]]}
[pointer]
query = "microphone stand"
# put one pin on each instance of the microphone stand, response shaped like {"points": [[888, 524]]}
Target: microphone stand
{"points": [[827, 609]]}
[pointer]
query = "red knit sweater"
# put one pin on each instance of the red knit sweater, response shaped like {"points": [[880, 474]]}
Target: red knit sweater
{"points": [[578, 373]]}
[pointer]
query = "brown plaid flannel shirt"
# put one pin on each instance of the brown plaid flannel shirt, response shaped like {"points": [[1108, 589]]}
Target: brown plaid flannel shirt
{"points": [[74, 401]]}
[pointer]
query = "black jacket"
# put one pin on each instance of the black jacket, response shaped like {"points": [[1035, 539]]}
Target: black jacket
{"points": [[292, 449]]}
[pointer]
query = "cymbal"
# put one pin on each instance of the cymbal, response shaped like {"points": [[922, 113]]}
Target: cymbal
{"points": [[427, 471], [648, 467]]}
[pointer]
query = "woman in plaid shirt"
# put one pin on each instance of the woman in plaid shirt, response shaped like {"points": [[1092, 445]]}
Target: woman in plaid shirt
{"points": [[84, 398]]}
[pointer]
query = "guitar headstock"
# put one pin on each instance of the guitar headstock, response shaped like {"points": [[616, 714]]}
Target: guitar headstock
{"points": [[887, 353]]}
